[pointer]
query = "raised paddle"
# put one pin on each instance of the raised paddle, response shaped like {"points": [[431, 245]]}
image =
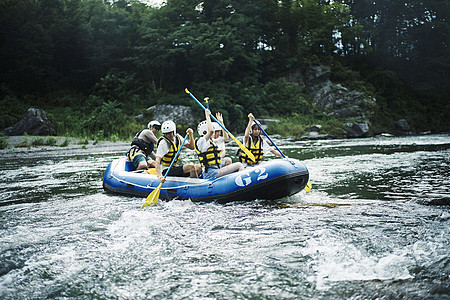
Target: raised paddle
{"points": [[243, 148], [308, 185], [153, 197]]}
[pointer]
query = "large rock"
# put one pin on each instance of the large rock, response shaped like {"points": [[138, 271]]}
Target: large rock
{"points": [[35, 122], [181, 115], [357, 130], [402, 127], [314, 128], [333, 99]]}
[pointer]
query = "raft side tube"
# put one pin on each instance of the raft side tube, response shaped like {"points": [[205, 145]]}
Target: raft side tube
{"points": [[269, 181]]}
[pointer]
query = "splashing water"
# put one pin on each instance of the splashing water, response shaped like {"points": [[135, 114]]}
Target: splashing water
{"points": [[375, 225]]}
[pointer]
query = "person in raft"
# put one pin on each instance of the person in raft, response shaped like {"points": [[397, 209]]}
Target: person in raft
{"points": [[141, 153], [220, 140], [255, 143], [168, 146], [208, 152]]}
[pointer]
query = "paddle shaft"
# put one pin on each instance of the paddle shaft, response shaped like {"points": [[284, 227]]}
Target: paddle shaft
{"points": [[176, 155], [284, 156], [204, 108], [308, 186], [249, 154], [153, 197]]}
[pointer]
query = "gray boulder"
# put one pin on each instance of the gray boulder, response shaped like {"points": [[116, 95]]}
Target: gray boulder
{"points": [[402, 127], [139, 117], [314, 128], [35, 122], [357, 130], [333, 99], [181, 115]]}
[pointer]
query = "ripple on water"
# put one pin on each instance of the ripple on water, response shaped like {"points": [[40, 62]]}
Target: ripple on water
{"points": [[360, 233]]}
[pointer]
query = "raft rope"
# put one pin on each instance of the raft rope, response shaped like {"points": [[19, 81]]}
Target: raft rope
{"points": [[168, 188]]}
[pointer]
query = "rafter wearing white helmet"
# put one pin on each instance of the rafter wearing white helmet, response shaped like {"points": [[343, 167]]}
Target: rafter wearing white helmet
{"points": [[168, 127], [166, 153], [209, 153], [154, 124], [141, 152]]}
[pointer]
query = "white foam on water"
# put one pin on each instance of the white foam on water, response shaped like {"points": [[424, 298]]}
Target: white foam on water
{"points": [[340, 261], [81, 241]]}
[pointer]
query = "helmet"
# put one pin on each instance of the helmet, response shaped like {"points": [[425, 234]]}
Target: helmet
{"points": [[216, 126], [202, 128], [153, 123], [169, 126]]}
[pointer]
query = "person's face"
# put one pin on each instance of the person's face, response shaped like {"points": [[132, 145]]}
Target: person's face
{"points": [[216, 134], [170, 135], [156, 129], [256, 131]]}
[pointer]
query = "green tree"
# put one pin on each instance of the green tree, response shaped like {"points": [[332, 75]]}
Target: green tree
{"points": [[410, 37], [25, 47]]}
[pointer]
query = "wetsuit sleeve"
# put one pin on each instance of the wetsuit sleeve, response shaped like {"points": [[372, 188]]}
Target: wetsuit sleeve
{"points": [[148, 136]]}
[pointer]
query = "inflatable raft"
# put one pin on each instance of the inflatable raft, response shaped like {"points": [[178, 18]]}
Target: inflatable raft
{"points": [[268, 181]]}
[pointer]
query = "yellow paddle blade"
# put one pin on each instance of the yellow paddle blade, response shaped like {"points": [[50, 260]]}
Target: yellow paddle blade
{"points": [[153, 197], [243, 148], [308, 186], [151, 171]]}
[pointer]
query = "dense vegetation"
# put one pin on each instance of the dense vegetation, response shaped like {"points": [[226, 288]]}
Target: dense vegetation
{"points": [[93, 64]]}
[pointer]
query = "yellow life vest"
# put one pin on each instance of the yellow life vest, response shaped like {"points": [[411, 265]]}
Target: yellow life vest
{"points": [[210, 157], [255, 149], [166, 160]]}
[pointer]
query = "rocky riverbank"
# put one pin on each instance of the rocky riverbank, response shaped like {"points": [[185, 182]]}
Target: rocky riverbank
{"points": [[57, 146]]}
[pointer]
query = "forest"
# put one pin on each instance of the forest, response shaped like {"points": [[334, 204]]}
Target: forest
{"points": [[94, 64]]}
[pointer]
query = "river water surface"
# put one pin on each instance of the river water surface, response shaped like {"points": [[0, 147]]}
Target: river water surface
{"points": [[374, 226]]}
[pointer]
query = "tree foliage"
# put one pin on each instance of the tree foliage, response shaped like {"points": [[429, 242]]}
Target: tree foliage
{"points": [[128, 55]]}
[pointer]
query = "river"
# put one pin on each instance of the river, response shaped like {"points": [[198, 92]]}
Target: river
{"points": [[374, 226]]}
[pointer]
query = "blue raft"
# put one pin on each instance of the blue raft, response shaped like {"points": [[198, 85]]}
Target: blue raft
{"points": [[268, 181]]}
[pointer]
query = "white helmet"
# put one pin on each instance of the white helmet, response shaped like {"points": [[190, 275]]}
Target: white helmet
{"points": [[216, 126], [153, 123], [169, 126], [202, 128]]}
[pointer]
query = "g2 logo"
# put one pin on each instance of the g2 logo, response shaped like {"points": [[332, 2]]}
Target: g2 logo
{"points": [[246, 178], [262, 174], [243, 179]]}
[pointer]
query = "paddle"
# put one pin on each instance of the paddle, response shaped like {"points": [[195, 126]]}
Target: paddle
{"points": [[308, 185], [153, 197], [243, 148]]}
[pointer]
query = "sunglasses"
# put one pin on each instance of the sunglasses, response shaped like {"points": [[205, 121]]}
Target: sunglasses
{"points": [[157, 127]]}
